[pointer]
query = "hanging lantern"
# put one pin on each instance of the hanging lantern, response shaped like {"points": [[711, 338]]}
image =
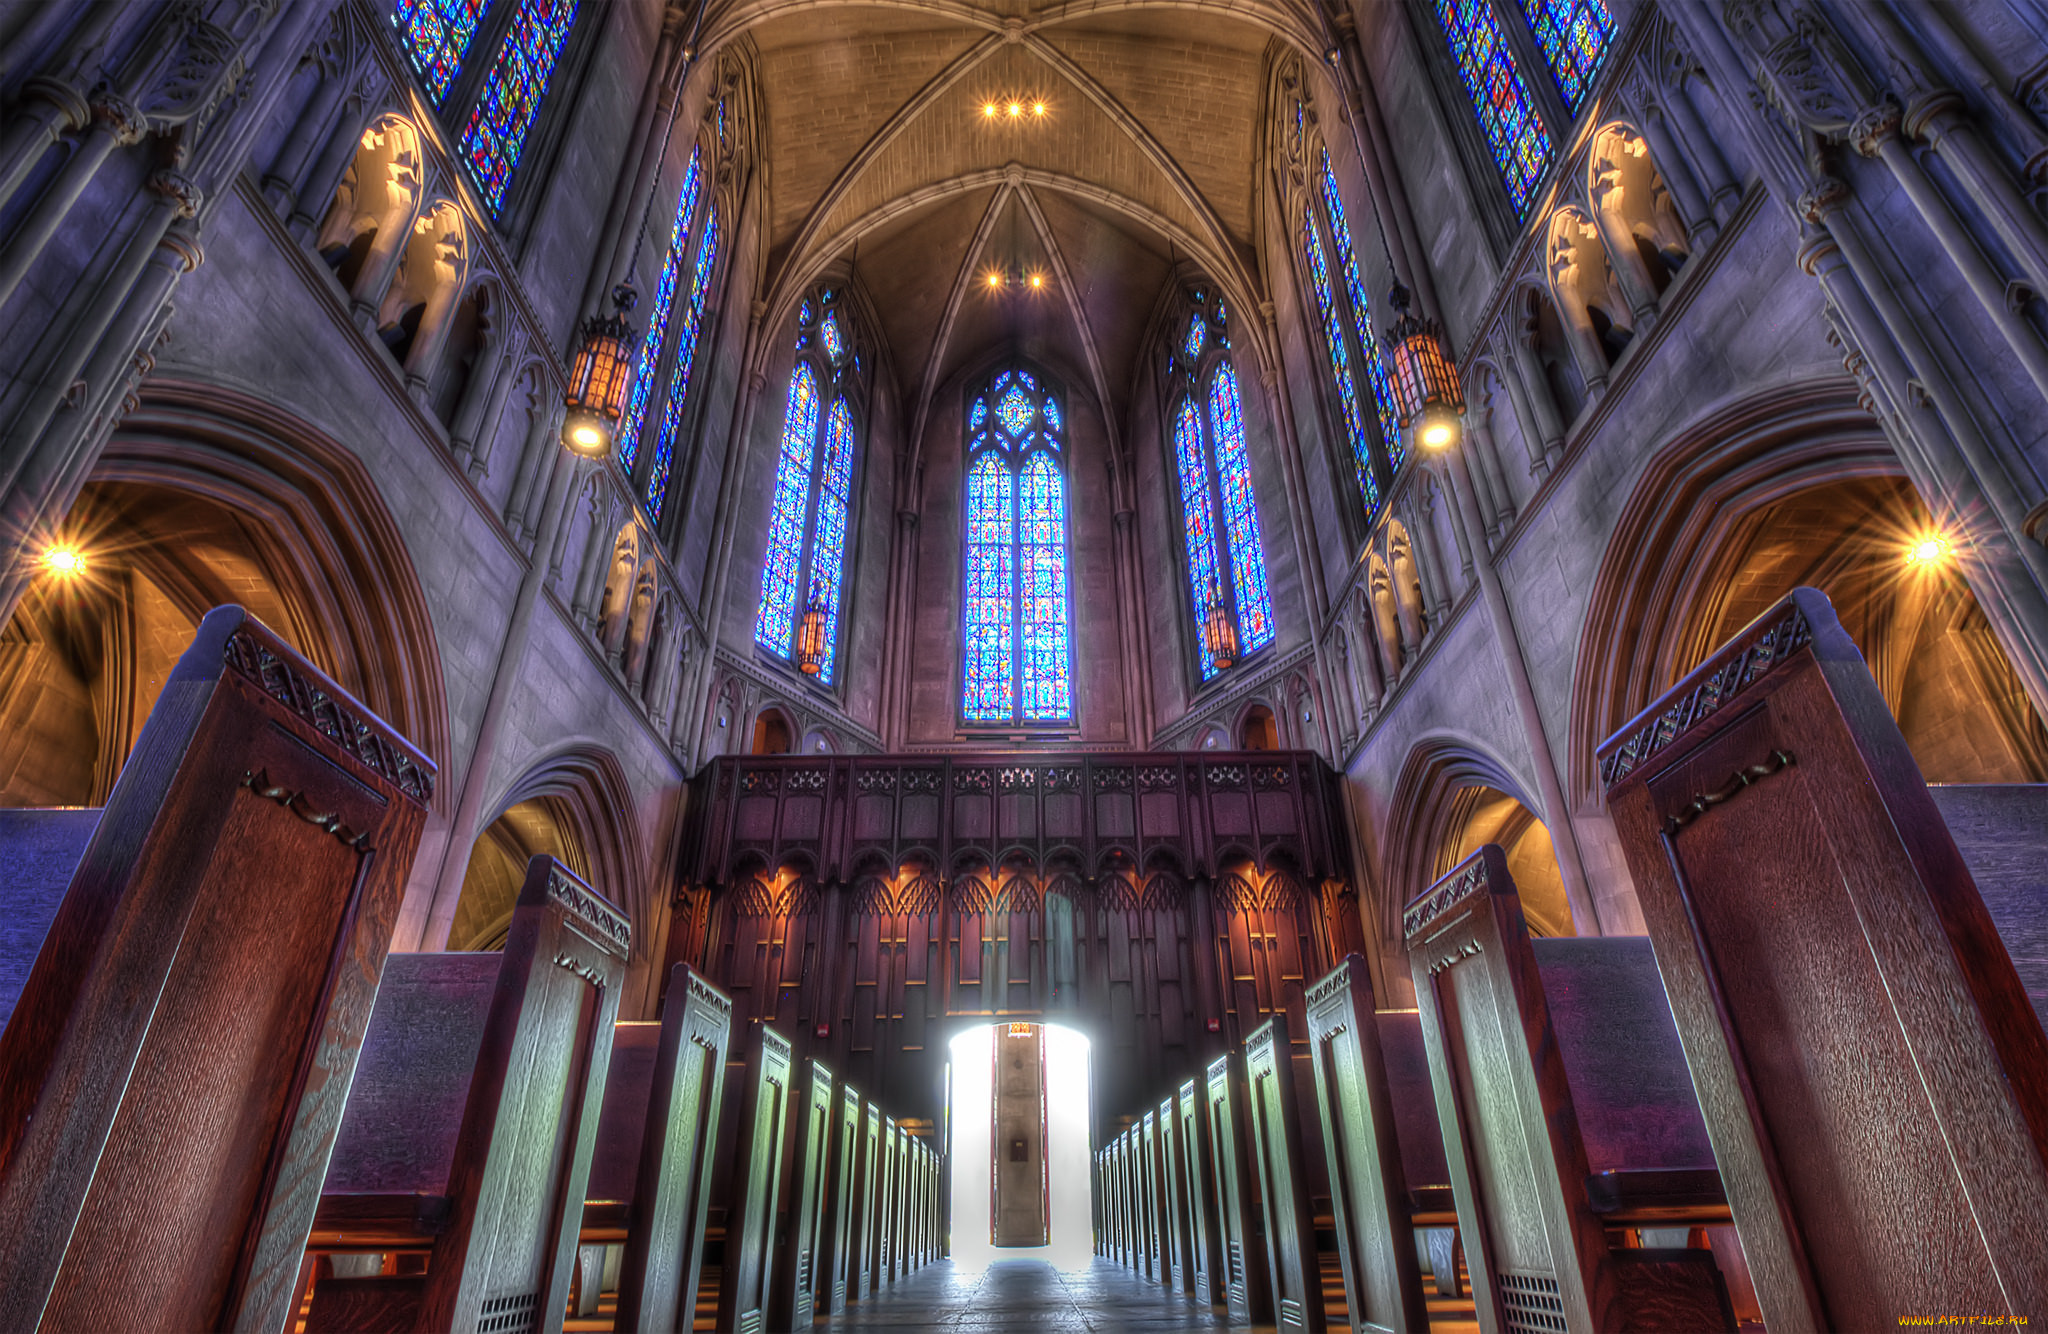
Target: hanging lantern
{"points": [[599, 378], [1425, 380], [1219, 634], [810, 638]]}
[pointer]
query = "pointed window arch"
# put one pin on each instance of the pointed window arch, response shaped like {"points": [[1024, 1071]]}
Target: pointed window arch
{"points": [[496, 132], [1220, 514], [810, 517], [1515, 134], [686, 356], [1574, 35], [436, 35], [648, 364], [1017, 652]]}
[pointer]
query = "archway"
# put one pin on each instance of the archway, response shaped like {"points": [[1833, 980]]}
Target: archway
{"points": [[1259, 730], [497, 868], [1018, 1098], [205, 497], [1777, 491], [771, 733], [1480, 815]]}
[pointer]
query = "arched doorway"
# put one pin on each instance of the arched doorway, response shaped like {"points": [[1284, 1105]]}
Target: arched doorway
{"points": [[1018, 1099], [1480, 815], [497, 869], [771, 733]]}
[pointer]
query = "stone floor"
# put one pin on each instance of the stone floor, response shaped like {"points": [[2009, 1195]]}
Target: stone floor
{"points": [[1026, 1295]]}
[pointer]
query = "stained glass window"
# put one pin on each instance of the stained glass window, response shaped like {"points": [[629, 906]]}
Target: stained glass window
{"points": [[1514, 131], [1340, 362], [777, 618], [1574, 36], [649, 361], [518, 80], [810, 520], [828, 534], [1361, 318], [436, 35], [1191, 346], [1017, 660], [1240, 513], [686, 352], [1199, 517]]}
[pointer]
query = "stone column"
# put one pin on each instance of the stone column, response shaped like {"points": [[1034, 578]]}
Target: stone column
{"points": [[1502, 510], [48, 110], [1638, 288], [1703, 150], [1534, 398], [1676, 172], [281, 182], [1876, 134], [423, 360], [394, 229], [115, 122], [1940, 120], [317, 193]]}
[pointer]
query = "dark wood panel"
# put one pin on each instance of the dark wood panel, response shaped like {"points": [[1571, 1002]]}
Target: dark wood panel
{"points": [[1247, 1287], [747, 1276], [253, 771], [1873, 1075], [1281, 1164]]}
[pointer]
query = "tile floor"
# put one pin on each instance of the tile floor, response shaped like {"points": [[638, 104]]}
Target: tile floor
{"points": [[1027, 1295]]}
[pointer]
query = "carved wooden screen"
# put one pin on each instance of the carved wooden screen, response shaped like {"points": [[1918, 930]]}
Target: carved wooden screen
{"points": [[1067, 941], [771, 948], [892, 944], [1266, 945], [1016, 942], [967, 959]]}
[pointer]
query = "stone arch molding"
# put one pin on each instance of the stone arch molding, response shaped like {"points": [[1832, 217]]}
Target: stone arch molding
{"points": [[1420, 816], [325, 528], [1728, 463], [591, 788]]}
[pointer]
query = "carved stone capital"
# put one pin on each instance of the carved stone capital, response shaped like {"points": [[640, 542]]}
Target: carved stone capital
{"points": [[180, 189], [120, 115], [1824, 196], [70, 103], [1874, 125], [1933, 115]]}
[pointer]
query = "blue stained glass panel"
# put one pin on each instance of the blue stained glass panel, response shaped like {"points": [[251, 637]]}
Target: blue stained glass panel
{"points": [[1240, 513], [978, 415], [1191, 346], [1340, 362], [1052, 420], [1361, 318], [436, 35], [686, 352], [497, 129], [1042, 552], [828, 334], [1574, 36], [1014, 410], [649, 360], [1515, 133], [828, 536], [777, 618], [1199, 517], [990, 684]]}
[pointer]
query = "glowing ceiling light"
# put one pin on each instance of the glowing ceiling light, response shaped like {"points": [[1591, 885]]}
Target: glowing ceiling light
{"points": [[1038, 108], [1016, 109], [65, 561], [1037, 280], [995, 280], [1930, 550], [989, 110]]}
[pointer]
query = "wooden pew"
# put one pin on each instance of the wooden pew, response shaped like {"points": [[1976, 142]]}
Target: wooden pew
{"points": [[1247, 1283], [749, 1262], [839, 1243], [867, 1185], [1433, 1208], [1361, 1139], [1291, 1263], [2002, 831], [1871, 1070], [41, 849], [805, 1194], [470, 1125], [650, 1178], [1196, 1170], [1179, 1270], [1566, 1110], [1146, 1146], [204, 983]]}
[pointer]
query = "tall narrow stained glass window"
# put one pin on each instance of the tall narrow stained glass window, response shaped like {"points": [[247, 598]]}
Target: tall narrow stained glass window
{"points": [[810, 519], [495, 136], [1361, 317], [686, 353], [436, 35], [1340, 363], [1226, 558], [1574, 35], [648, 364], [1515, 133], [1017, 654]]}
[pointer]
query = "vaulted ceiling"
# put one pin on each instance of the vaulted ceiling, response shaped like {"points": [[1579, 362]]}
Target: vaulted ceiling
{"points": [[879, 151]]}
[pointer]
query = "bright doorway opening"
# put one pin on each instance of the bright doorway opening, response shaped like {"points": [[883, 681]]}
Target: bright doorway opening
{"points": [[1017, 1115]]}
